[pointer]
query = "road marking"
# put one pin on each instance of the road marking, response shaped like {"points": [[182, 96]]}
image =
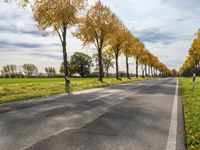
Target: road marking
{"points": [[55, 134], [62, 130], [100, 97], [171, 143]]}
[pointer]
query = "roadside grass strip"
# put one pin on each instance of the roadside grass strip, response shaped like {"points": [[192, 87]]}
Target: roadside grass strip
{"points": [[191, 102], [22, 89]]}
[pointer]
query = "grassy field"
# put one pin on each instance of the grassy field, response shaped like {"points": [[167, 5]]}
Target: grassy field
{"points": [[191, 102], [20, 89]]}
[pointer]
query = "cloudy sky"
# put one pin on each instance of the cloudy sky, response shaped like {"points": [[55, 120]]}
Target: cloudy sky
{"points": [[167, 27]]}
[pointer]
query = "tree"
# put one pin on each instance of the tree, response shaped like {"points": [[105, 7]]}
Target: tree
{"points": [[69, 67], [174, 72], [50, 71], [150, 63], [30, 70], [107, 61], [20, 71], [9, 70], [138, 51], [117, 40], [81, 63], [95, 28], [144, 60], [58, 15], [127, 50]]}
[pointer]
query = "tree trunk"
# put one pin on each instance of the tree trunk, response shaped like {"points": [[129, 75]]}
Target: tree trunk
{"points": [[100, 65], [142, 71], [145, 68], [64, 44], [82, 72], [156, 72], [136, 67], [149, 71], [127, 66], [117, 67], [107, 73], [196, 69]]}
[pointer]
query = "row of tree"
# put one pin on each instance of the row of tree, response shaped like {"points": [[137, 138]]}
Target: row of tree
{"points": [[79, 66], [192, 62], [106, 31], [99, 26], [26, 70]]}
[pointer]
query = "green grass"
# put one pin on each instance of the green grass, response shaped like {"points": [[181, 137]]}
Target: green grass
{"points": [[21, 89], [191, 102]]}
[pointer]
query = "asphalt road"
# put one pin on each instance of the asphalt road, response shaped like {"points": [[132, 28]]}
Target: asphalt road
{"points": [[134, 116]]}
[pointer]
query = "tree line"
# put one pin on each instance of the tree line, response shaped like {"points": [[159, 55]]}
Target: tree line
{"points": [[192, 62], [25, 71], [98, 26], [79, 63], [79, 66]]}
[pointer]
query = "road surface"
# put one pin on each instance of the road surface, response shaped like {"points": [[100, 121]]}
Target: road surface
{"points": [[145, 115]]}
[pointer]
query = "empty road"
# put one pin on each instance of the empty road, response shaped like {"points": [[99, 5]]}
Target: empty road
{"points": [[145, 115]]}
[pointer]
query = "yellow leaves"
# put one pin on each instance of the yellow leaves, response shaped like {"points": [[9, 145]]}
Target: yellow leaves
{"points": [[127, 47], [190, 62], [144, 59], [96, 26], [194, 56], [138, 48], [55, 13], [118, 38]]}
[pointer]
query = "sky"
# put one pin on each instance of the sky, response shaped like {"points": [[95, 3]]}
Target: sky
{"points": [[167, 28]]}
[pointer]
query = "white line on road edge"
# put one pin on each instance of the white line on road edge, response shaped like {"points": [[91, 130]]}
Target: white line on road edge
{"points": [[171, 143]]}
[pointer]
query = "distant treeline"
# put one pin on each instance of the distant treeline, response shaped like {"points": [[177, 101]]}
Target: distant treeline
{"points": [[79, 66], [13, 71]]}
